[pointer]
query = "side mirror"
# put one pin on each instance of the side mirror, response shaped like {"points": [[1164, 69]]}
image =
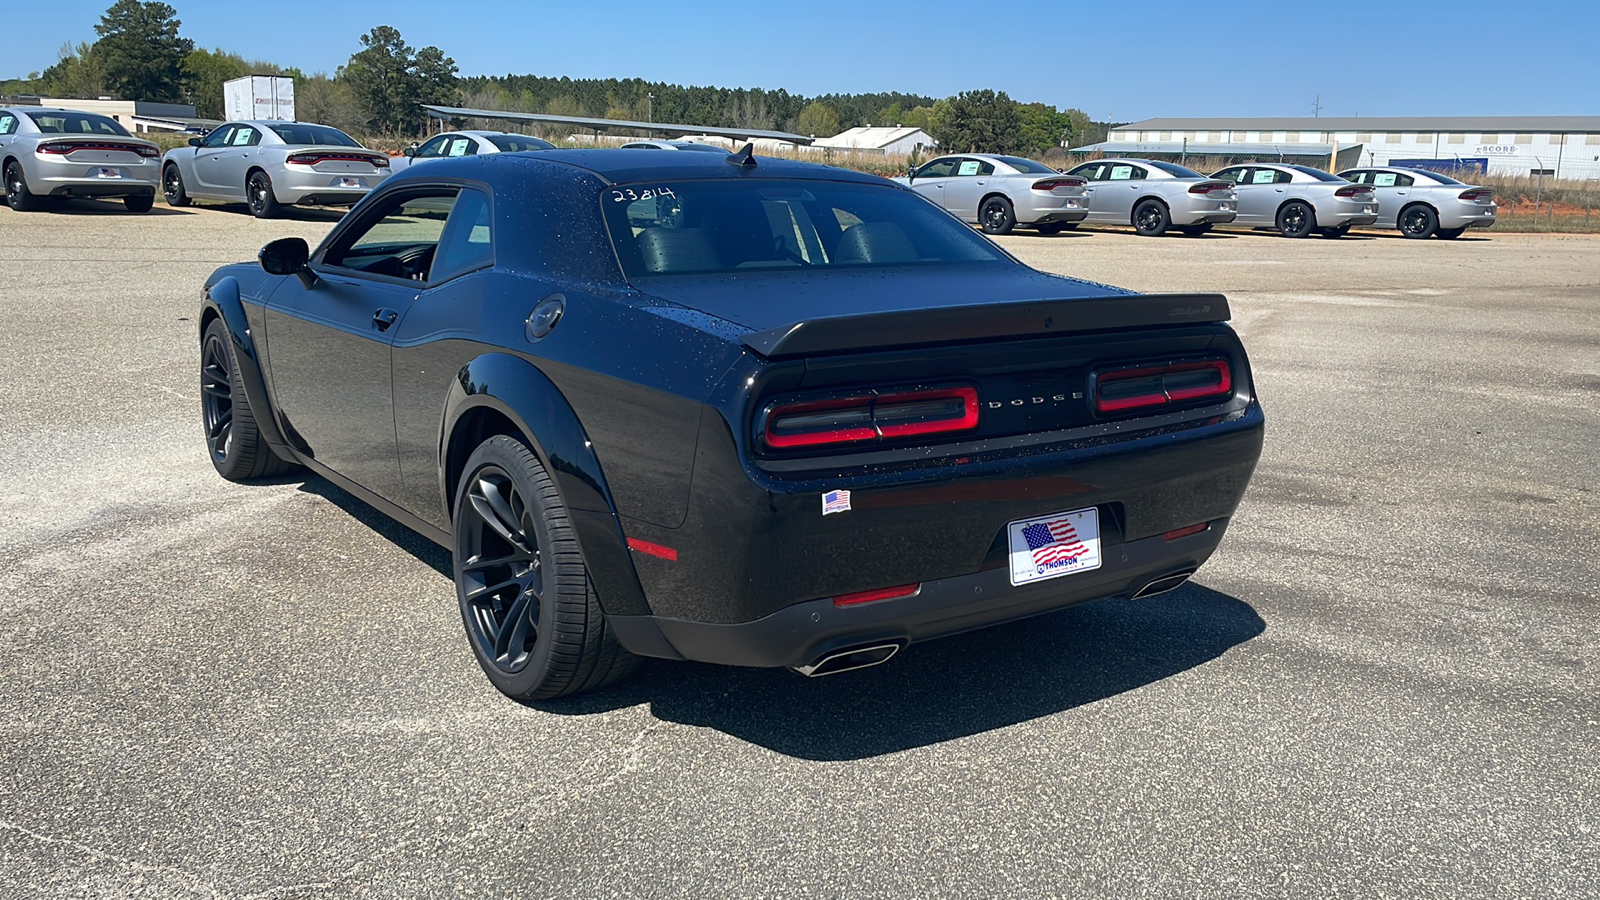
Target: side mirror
{"points": [[410, 151], [194, 142], [288, 256]]}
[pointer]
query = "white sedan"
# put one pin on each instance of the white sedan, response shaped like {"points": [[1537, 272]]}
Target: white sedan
{"points": [[470, 143]]}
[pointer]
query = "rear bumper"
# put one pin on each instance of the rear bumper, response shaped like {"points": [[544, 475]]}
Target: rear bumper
{"points": [[78, 179], [299, 184], [1199, 211], [1467, 215], [1342, 212], [1048, 209], [800, 634]]}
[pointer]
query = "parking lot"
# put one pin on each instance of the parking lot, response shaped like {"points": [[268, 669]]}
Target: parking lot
{"points": [[1384, 684]]}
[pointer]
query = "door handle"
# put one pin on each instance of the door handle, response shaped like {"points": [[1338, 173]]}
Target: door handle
{"points": [[383, 318]]}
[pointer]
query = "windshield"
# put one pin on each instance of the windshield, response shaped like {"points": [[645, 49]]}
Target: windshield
{"points": [[298, 133], [67, 122], [679, 227], [511, 143], [1027, 165], [1318, 174], [1176, 170]]}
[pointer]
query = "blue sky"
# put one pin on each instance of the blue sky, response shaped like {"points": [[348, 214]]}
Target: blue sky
{"points": [[1116, 61]]}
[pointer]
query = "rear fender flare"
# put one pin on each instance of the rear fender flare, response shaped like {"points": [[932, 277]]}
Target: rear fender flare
{"points": [[500, 386], [222, 301]]}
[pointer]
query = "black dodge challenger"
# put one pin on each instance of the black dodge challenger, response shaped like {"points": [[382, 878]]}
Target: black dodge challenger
{"points": [[729, 409]]}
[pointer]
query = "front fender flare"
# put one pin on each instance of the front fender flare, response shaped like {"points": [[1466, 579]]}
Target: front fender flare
{"points": [[222, 297], [519, 391]]}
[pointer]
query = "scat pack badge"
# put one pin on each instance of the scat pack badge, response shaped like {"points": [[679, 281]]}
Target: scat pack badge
{"points": [[835, 501]]}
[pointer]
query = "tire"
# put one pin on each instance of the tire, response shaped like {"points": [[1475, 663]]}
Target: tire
{"points": [[1050, 228], [1151, 219], [232, 439], [996, 216], [139, 204], [1296, 219], [172, 187], [258, 193], [527, 602], [18, 197], [1334, 233], [1418, 222], [1196, 230], [1449, 234]]}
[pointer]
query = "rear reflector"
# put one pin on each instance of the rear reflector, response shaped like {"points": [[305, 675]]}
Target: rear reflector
{"points": [[1206, 187], [1186, 531], [1148, 387], [1350, 190], [869, 417], [1477, 194], [653, 549], [889, 593]]}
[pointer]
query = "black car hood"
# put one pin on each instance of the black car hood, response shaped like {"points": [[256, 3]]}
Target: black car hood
{"points": [[770, 299]]}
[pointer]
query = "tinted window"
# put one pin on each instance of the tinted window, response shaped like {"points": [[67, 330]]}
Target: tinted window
{"points": [[398, 240], [1027, 165], [720, 226], [297, 133], [1441, 178], [68, 122], [1318, 174], [1269, 176], [244, 136], [433, 148], [939, 168], [1124, 172], [1357, 177], [512, 143], [460, 145], [219, 138], [973, 167], [1234, 175], [467, 243], [8, 123], [1175, 169], [1091, 171]]}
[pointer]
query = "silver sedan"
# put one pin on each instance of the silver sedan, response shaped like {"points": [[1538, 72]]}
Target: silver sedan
{"points": [[270, 165], [1154, 196], [1422, 203], [468, 143], [1299, 200], [999, 193], [674, 145], [47, 152]]}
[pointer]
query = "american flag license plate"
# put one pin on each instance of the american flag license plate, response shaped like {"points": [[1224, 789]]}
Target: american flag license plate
{"points": [[1051, 546]]}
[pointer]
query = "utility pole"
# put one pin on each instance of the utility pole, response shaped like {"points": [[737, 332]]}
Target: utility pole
{"points": [[1316, 107], [650, 107]]}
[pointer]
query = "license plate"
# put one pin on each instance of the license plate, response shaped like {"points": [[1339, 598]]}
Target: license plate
{"points": [[347, 182], [1225, 207], [1055, 545], [107, 173], [1072, 204]]}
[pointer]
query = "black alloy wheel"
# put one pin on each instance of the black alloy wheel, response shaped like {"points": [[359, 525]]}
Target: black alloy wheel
{"points": [[1196, 230], [1296, 219], [172, 186], [233, 441], [139, 204], [530, 610], [1418, 222], [258, 191], [1449, 234], [1150, 218], [997, 216], [18, 197]]}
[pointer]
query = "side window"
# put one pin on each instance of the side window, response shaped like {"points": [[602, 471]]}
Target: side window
{"points": [[967, 168], [433, 148], [1383, 179], [939, 168], [245, 136], [1230, 175], [1125, 172], [985, 168], [1403, 180], [219, 138], [460, 146], [1090, 171], [8, 123], [1357, 177], [468, 240], [1266, 176], [397, 237]]}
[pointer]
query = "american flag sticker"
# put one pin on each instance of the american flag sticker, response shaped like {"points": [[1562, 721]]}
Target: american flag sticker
{"points": [[835, 501], [1054, 545]]}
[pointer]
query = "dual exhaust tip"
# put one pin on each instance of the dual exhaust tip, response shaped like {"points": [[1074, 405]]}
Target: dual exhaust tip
{"points": [[852, 658]]}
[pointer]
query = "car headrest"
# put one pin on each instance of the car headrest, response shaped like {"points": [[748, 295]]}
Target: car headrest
{"points": [[875, 242], [677, 250]]}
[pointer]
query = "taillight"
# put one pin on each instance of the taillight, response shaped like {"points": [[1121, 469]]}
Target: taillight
{"points": [[1206, 187], [870, 417], [1477, 195], [1351, 190], [1050, 184], [311, 159], [62, 148], [1149, 387], [380, 162]]}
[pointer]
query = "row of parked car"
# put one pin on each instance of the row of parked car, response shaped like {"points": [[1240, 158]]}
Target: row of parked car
{"points": [[268, 165], [999, 193]]}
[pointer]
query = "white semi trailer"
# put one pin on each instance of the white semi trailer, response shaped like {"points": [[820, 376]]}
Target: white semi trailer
{"points": [[259, 97]]}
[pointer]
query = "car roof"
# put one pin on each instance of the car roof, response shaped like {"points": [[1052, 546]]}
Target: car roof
{"points": [[626, 167]]}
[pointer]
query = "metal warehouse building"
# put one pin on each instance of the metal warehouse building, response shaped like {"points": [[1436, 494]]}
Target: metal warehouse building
{"points": [[1559, 146]]}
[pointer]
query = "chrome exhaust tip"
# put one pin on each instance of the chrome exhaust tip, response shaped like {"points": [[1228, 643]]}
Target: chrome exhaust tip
{"points": [[849, 660], [1163, 584]]}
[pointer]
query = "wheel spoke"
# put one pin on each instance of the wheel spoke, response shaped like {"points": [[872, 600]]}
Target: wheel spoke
{"points": [[513, 633], [476, 594], [495, 512], [478, 563], [220, 426]]}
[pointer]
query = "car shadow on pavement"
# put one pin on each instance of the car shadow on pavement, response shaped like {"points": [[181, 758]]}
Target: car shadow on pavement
{"points": [[945, 689], [426, 552], [105, 208]]}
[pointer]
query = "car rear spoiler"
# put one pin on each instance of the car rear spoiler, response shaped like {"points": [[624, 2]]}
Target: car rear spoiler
{"points": [[985, 321]]}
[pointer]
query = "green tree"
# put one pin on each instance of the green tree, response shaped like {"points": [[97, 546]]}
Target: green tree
{"points": [[204, 73], [328, 101], [978, 122], [389, 79], [817, 120], [140, 51], [1043, 127], [77, 73], [918, 117]]}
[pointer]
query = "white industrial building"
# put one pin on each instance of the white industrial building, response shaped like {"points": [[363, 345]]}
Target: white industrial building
{"points": [[1559, 146], [899, 140]]}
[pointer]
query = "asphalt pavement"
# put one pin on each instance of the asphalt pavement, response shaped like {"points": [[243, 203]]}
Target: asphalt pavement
{"points": [[1385, 684]]}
